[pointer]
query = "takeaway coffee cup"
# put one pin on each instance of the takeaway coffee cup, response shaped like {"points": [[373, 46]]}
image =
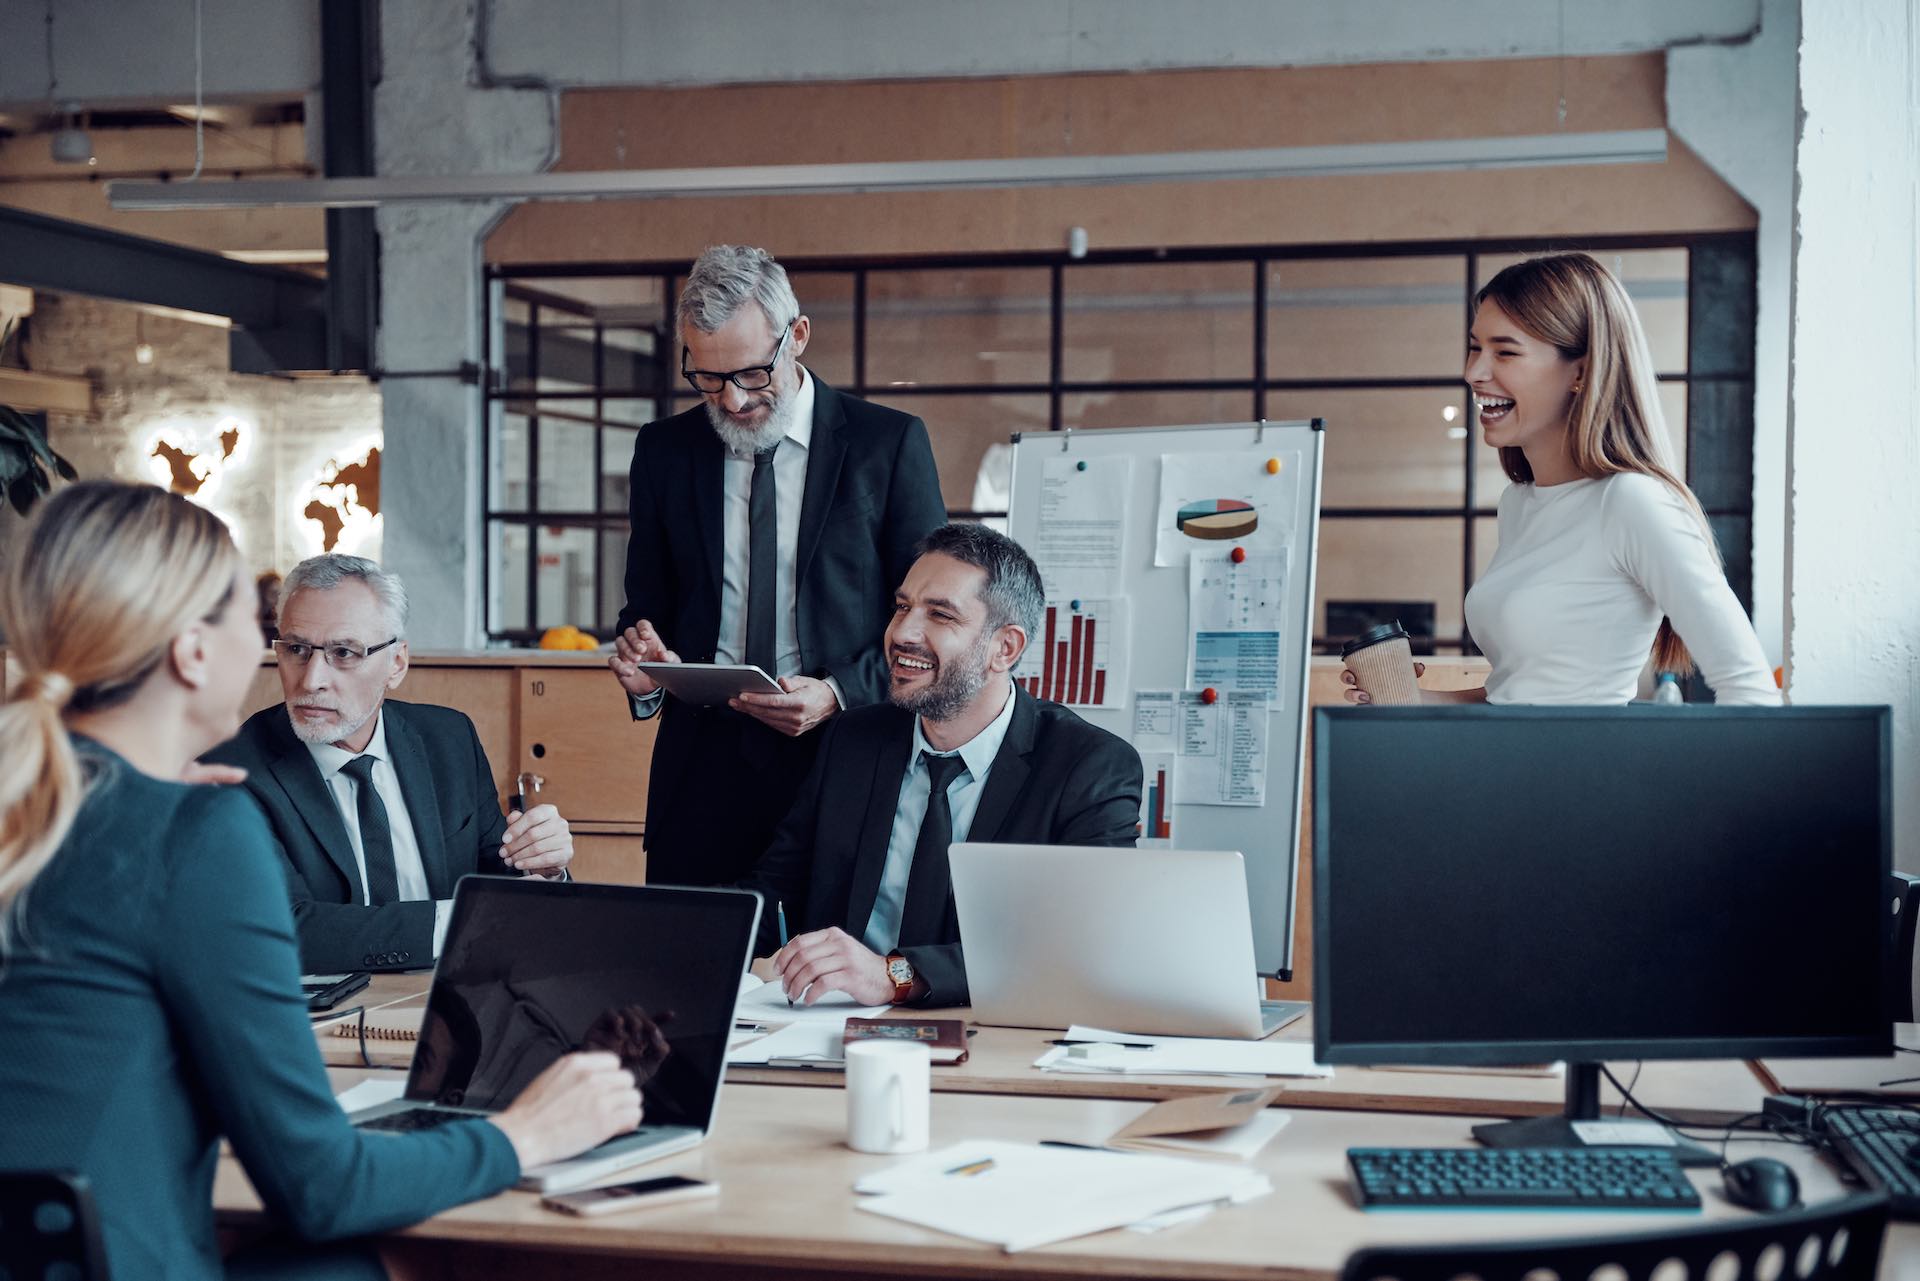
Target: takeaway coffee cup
{"points": [[1381, 660], [888, 1087]]}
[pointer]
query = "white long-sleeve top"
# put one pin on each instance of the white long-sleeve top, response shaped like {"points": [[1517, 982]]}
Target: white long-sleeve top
{"points": [[1568, 609]]}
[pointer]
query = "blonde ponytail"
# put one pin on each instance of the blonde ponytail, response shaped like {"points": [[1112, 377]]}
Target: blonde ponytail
{"points": [[103, 579]]}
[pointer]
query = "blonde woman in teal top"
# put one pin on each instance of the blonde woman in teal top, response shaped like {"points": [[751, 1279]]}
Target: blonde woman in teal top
{"points": [[149, 978]]}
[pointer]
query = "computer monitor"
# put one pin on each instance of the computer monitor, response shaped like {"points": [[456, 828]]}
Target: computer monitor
{"points": [[1512, 885]]}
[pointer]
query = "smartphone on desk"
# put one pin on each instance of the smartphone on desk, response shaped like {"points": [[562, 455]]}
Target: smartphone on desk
{"points": [[668, 1190]]}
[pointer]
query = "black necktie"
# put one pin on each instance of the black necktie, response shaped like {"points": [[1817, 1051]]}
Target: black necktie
{"points": [[929, 881], [376, 834], [763, 550]]}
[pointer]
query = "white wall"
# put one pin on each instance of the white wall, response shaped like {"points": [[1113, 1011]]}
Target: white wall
{"points": [[663, 42], [1853, 550], [140, 52], [1735, 105]]}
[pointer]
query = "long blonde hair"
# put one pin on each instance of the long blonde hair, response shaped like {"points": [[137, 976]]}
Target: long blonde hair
{"points": [[1577, 306], [104, 578]]}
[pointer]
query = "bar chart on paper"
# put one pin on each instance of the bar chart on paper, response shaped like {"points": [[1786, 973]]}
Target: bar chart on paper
{"points": [[1080, 656]]}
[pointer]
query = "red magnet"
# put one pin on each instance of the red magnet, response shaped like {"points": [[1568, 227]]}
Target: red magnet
{"points": [[1239, 555], [1209, 695]]}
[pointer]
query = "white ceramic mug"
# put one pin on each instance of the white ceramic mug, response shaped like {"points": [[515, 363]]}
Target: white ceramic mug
{"points": [[888, 1089]]}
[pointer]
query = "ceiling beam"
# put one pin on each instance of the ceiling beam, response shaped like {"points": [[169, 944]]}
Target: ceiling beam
{"points": [[1634, 146]]}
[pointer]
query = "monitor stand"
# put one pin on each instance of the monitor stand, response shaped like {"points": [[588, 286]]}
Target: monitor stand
{"points": [[1583, 1104]]}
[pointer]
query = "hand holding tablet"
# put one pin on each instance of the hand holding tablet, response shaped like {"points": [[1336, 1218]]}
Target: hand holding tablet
{"points": [[708, 684]]}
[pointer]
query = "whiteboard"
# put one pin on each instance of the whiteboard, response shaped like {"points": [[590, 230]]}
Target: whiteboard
{"points": [[1111, 541]]}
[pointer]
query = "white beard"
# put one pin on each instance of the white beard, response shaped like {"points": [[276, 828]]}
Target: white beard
{"points": [[744, 442]]}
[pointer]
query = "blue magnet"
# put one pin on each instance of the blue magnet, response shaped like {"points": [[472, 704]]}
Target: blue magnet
{"points": [[1076, 604], [1081, 465]]}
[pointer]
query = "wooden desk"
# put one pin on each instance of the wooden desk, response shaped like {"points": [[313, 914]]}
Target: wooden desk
{"points": [[1001, 1062], [786, 1206]]}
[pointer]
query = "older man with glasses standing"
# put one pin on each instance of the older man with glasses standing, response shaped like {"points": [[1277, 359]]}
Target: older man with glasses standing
{"points": [[378, 806], [770, 525]]}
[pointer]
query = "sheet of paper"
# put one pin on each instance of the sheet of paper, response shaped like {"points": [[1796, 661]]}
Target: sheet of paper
{"points": [[768, 1004], [1081, 655], [371, 1093], [800, 1042], [1208, 499], [1222, 749], [1155, 723], [1179, 1055], [1081, 536], [1234, 616], [1019, 1196]]}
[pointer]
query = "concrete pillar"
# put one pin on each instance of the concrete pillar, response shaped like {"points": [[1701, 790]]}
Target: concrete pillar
{"points": [[432, 115], [1853, 542], [1735, 105]]}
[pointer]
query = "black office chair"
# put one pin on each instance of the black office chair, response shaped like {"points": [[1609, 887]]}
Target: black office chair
{"points": [[1905, 894], [48, 1227], [1834, 1241]]}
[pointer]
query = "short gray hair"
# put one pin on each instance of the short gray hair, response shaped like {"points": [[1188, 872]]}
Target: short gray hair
{"points": [[723, 278], [1013, 592], [324, 573]]}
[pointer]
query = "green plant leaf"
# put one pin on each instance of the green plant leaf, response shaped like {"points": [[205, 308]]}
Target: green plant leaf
{"points": [[22, 492]]}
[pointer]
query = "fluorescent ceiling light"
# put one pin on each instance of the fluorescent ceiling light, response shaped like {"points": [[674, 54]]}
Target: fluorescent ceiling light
{"points": [[1638, 146]]}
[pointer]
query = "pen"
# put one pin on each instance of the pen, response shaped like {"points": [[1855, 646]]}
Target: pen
{"points": [[780, 911], [1125, 1045]]}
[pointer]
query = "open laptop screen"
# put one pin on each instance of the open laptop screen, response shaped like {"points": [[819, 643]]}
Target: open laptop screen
{"points": [[532, 970]]}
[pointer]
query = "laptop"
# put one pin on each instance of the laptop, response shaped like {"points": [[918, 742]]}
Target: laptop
{"points": [[1153, 941], [532, 969]]}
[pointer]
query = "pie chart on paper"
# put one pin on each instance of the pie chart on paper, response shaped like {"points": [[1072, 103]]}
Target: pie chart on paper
{"points": [[1217, 518]]}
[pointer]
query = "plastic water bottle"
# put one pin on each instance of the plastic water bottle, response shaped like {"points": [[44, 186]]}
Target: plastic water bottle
{"points": [[1667, 689]]}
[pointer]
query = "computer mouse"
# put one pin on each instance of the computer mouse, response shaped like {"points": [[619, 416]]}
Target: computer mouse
{"points": [[1762, 1183]]}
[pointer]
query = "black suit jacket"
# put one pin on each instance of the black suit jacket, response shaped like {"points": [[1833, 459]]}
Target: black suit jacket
{"points": [[456, 822], [871, 494], [1056, 780]]}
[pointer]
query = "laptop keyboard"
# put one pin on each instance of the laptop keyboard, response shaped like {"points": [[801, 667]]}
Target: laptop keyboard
{"points": [[413, 1119]]}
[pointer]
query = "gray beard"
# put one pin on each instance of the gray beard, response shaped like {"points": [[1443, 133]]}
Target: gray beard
{"points": [[320, 734], [953, 689], [743, 442]]}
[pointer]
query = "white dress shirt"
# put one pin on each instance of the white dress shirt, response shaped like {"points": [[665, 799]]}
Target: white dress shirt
{"points": [[407, 864], [789, 486], [963, 799]]}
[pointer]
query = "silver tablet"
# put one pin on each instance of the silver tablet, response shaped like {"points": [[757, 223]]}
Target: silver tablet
{"points": [[706, 684]]}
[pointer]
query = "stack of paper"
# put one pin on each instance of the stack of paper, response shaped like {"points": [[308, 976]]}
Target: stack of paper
{"points": [[1017, 1196], [1100, 1051], [796, 1045]]}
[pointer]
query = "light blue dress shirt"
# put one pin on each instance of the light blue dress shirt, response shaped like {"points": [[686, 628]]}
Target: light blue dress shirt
{"points": [[963, 798]]}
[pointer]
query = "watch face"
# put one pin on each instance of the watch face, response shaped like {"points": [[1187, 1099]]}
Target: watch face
{"points": [[898, 970]]}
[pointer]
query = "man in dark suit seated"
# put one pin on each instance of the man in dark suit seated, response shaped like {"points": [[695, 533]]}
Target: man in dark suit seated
{"points": [[957, 753], [378, 806], [770, 524]]}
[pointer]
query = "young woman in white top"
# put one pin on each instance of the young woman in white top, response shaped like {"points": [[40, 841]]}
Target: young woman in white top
{"points": [[1604, 552]]}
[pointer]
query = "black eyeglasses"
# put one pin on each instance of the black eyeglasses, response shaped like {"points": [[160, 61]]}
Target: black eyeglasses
{"points": [[339, 655], [752, 378]]}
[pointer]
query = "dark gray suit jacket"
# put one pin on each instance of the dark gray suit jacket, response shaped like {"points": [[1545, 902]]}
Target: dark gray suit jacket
{"points": [[1056, 780], [456, 822]]}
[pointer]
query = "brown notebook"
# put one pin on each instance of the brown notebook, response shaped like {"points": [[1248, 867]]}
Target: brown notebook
{"points": [[945, 1039]]}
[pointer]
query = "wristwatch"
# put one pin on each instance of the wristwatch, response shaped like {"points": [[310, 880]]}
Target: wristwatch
{"points": [[900, 970]]}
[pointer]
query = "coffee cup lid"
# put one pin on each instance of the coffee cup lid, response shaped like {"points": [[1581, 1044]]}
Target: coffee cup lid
{"points": [[1375, 636]]}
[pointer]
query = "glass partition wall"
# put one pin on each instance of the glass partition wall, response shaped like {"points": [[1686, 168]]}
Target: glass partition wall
{"points": [[1368, 337]]}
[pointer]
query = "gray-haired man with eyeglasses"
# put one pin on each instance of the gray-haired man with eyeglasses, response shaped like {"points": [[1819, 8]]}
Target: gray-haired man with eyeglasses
{"points": [[378, 806], [770, 525]]}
